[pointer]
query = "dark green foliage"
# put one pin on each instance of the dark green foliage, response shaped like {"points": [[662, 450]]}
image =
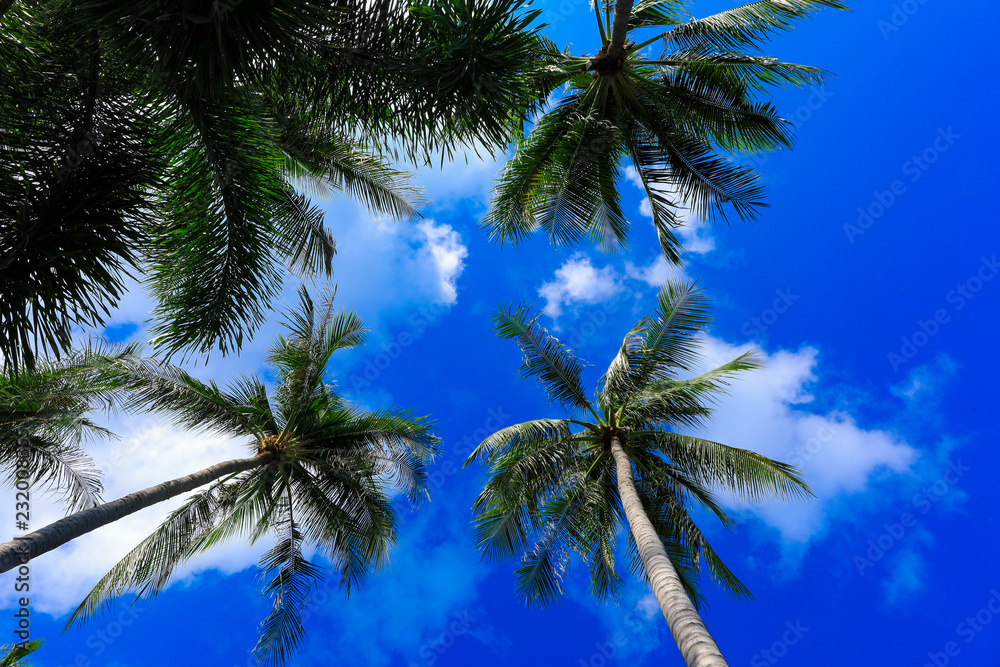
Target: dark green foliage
{"points": [[330, 483], [552, 489], [162, 141], [680, 118]]}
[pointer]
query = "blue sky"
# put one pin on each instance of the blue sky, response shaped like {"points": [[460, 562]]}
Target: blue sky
{"points": [[869, 285]]}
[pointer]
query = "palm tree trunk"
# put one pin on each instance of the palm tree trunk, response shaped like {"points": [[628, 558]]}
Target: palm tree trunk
{"points": [[689, 631], [619, 28], [54, 535]]}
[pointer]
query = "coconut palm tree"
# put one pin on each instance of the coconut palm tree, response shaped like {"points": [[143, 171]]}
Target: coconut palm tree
{"points": [[14, 655], [678, 117], [566, 484], [321, 473], [45, 417], [165, 141]]}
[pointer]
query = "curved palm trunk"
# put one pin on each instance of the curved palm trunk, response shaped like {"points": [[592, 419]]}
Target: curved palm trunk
{"points": [[689, 631], [56, 534]]}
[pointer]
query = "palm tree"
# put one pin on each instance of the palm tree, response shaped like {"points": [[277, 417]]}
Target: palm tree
{"points": [[165, 140], [558, 485], [678, 117], [14, 656], [322, 472], [45, 419]]}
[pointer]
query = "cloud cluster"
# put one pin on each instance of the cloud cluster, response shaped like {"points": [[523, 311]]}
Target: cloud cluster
{"points": [[768, 411], [578, 281]]}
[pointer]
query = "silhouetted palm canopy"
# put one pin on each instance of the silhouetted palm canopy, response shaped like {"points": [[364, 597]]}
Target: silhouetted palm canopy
{"points": [[46, 416], [678, 116], [552, 488], [162, 140], [329, 479]]}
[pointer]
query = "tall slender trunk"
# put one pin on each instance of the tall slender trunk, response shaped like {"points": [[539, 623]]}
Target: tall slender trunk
{"points": [[689, 631], [19, 551], [619, 28]]}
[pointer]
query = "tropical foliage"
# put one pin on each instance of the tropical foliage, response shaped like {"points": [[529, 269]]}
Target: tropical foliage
{"points": [[162, 141], [677, 117], [328, 477], [15, 655], [554, 486], [47, 415]]}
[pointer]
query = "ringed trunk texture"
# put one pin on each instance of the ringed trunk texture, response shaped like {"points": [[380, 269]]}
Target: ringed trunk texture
{"points": [[689, 631], [619, 28], [56, 534]]}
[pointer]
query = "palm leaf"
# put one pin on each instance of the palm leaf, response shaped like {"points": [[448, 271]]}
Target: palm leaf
{"points": [[545, 357]]}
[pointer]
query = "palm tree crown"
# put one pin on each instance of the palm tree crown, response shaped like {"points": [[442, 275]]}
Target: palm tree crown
{"points": [[166, 141], [324, 473], [678, 117], [555, 485]]}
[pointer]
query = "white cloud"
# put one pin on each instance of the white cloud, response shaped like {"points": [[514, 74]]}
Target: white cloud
{"points": [[578, 281], [766, 412], [648, 605], [655, 273], [148, 454], [446, 252]]}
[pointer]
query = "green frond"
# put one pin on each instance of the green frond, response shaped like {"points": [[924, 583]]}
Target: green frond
{"points": [[147, 568], [545, 357], [745, 473], [14, 654], [747, 25], [282, 631], [510, 436]]}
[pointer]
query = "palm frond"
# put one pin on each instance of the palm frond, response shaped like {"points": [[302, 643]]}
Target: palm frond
{"points": [[746, 25], [745, 473], [545, 357], [147, 568], [282, 631]]}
